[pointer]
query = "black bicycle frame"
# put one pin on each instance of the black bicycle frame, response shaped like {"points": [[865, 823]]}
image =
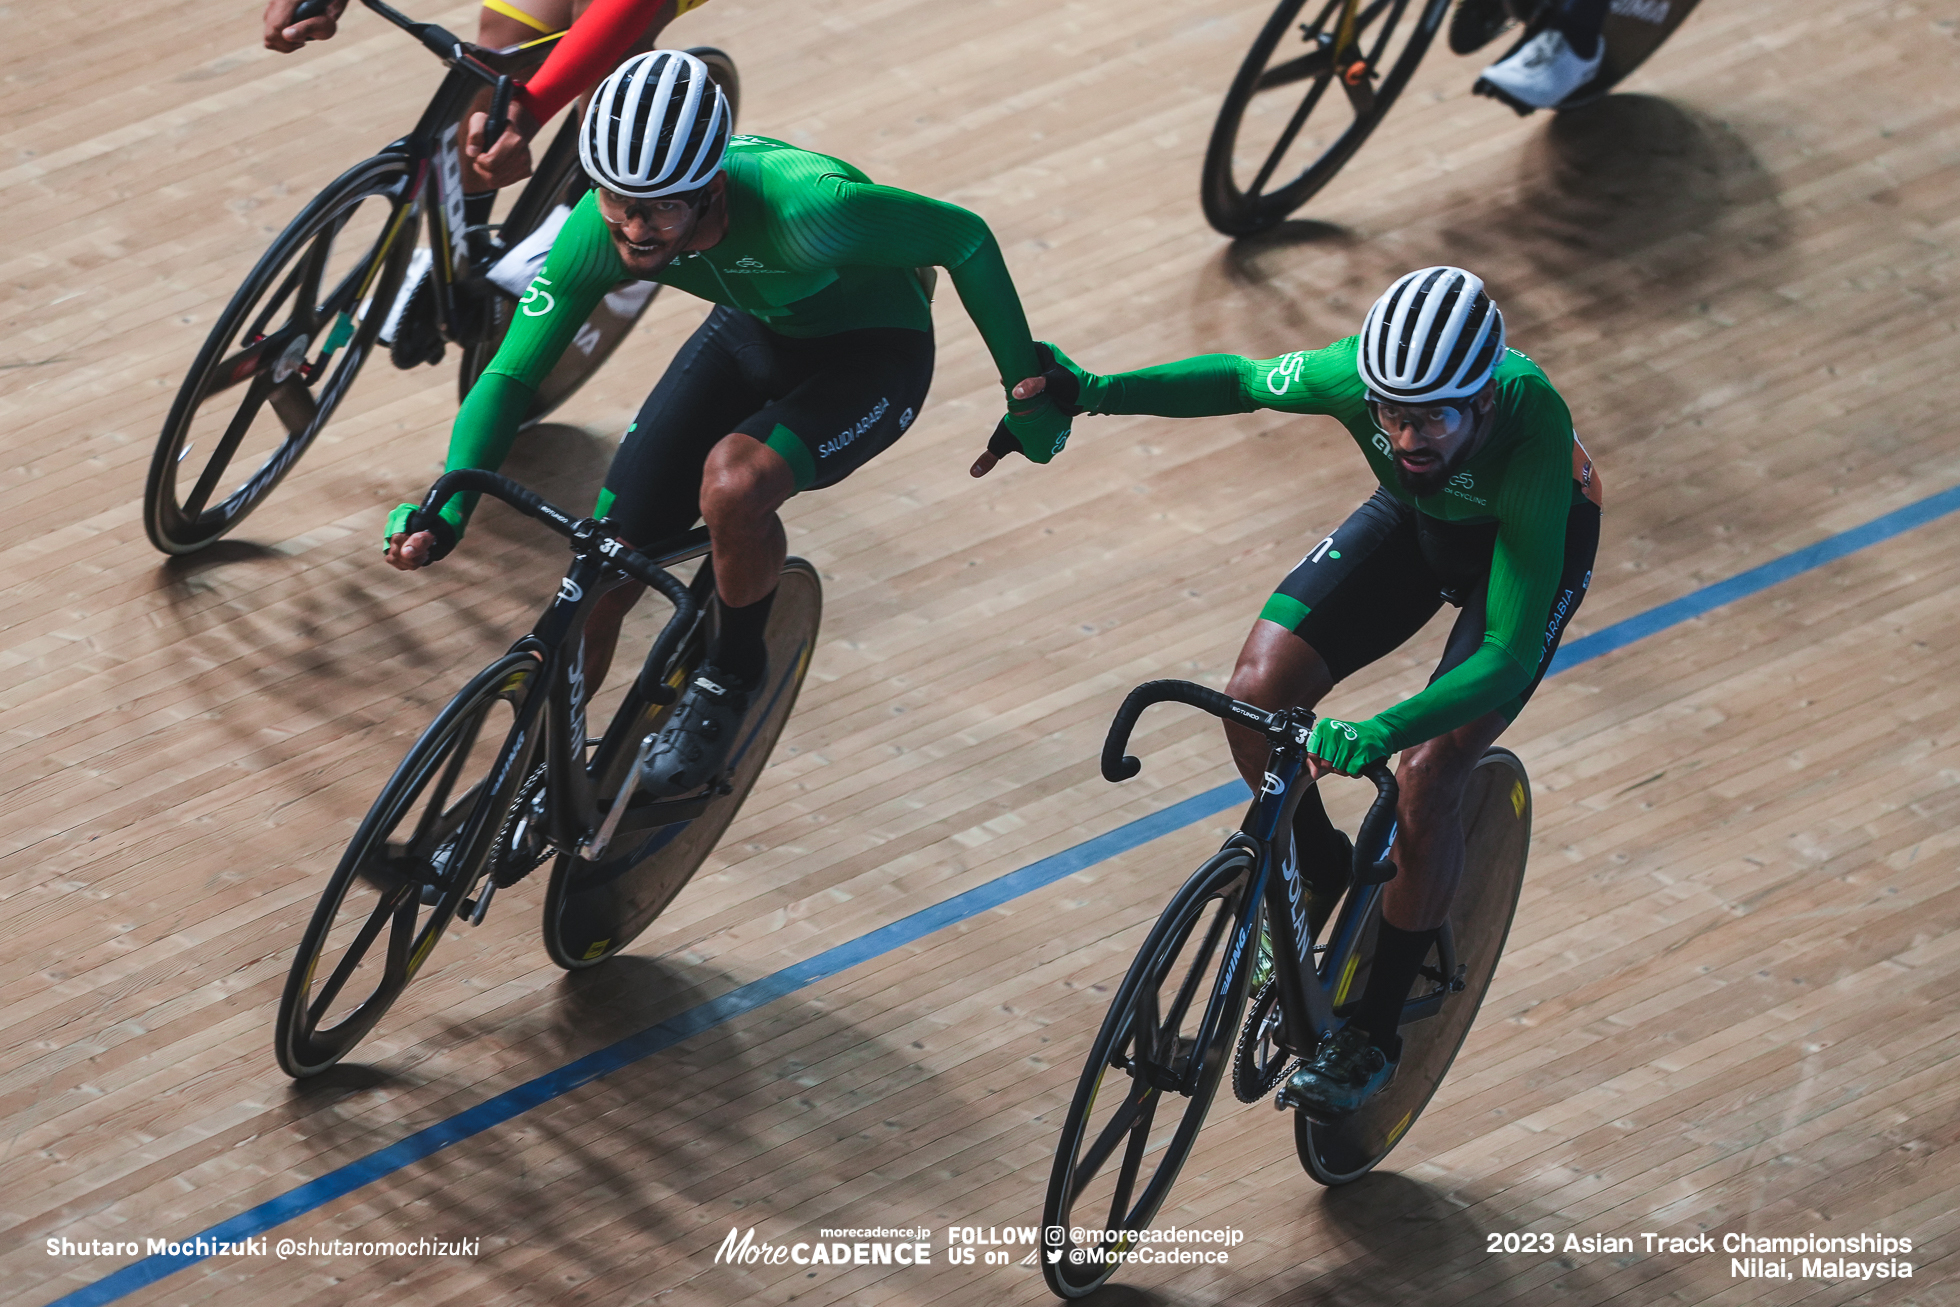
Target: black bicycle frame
{"points": [[556, 718], [436, 153], [1309, 996]]}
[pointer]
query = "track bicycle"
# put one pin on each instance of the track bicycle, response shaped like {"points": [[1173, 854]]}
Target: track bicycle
{"points": [[281, 356], [1168, 1039], [505, 779], [1264, 161]]}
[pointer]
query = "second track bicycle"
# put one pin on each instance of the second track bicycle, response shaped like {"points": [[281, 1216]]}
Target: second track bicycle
{"points": [[1322, 74], [1169, 1036], [505, 779]]}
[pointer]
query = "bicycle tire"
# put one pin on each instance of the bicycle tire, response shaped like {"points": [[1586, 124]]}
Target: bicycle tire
{"points": [[1497, 833], [280, 367], [560, 180], [1210, 899], [1236, 210], [412, 890], [593, 909]]}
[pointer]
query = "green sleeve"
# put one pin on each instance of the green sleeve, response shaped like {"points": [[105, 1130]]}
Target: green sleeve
{"points": [[580, 269], [862, 224], [1532, 505], [486, 427], [1315, 381]]}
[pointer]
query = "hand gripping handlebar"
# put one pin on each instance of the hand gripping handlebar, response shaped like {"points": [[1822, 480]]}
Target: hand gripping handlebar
{"points": [[585, 534]]}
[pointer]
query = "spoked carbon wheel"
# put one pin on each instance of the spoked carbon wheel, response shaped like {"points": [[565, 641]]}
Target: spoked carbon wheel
{"points": [[281, 356], [1497, 833], [1317, 79], [1149, 1080], [428, 843], [559, 183], [594, 908]]}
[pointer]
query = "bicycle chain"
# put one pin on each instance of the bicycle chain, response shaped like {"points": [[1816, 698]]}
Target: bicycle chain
{"points": [[504, 874]]}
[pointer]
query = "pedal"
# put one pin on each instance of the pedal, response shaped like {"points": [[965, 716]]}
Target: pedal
{"points": [[473, 909], [1486, 88]]}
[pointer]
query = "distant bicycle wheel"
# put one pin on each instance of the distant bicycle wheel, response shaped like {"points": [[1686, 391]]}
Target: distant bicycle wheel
{"points": [[558, 184], [1497, 833], [281, 356], [429, 841], [1265, 160], [1125, 1139], [594, 908]]}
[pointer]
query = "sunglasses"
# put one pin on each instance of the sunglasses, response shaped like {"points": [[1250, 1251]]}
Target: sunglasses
{"points": [[664, 214], [1436, 421]]}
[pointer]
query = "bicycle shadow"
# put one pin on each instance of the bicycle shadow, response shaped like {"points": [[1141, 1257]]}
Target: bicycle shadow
{"points": [[314, 637], [701, 1129]]}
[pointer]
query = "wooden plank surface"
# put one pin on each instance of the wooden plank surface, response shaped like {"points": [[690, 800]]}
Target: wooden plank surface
{"points": [[1726, 1002]]}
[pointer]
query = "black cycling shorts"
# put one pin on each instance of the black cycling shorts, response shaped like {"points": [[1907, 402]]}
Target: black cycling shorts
{"points": [[1386, 570], [827, 404]]}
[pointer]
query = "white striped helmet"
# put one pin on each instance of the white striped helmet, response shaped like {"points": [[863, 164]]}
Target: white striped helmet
{"points": [[657, 126], [1433, 335]]}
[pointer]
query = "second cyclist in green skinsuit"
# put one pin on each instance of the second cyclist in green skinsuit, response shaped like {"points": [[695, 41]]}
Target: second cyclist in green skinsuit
{"points": [[817, 358], [1487, 501]]}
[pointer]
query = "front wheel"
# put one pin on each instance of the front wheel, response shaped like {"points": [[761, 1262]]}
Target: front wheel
{"points": [[424, 848], [1497, 837], [1168, 1036], [281, 356], [595, 907], [1342, 68]]}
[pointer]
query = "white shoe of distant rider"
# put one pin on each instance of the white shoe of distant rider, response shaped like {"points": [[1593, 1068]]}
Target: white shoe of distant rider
{"points": [[418, 271], [1544, 70], [524, 259]]}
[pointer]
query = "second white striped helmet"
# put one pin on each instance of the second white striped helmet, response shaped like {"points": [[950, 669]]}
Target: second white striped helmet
{"points": [[657, 126], [1433, 335]]}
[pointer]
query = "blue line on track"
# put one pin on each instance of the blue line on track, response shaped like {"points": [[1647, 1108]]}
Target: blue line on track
{"points": [[747, 998]]}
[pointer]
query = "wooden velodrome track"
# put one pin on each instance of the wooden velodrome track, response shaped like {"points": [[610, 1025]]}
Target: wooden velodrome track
{"points": [[1727, 1005]]}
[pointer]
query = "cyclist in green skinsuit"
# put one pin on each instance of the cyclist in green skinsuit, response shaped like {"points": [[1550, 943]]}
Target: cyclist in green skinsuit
{"points": [[818, 358], [1486, 501]]}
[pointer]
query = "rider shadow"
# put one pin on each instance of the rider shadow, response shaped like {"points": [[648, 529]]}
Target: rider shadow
{"points": [[1634, 177], [1635, 203]]}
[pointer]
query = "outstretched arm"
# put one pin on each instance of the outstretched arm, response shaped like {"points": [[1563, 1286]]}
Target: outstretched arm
{"points": [[1205, 385]]}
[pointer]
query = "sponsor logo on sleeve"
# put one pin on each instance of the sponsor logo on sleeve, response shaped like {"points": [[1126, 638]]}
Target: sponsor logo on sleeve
{"points": [[537, 300], [1285, 372]]}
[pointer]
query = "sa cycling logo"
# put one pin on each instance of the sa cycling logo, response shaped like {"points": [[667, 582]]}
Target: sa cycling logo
{"points": [[537, 300], [1285, 372]]}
